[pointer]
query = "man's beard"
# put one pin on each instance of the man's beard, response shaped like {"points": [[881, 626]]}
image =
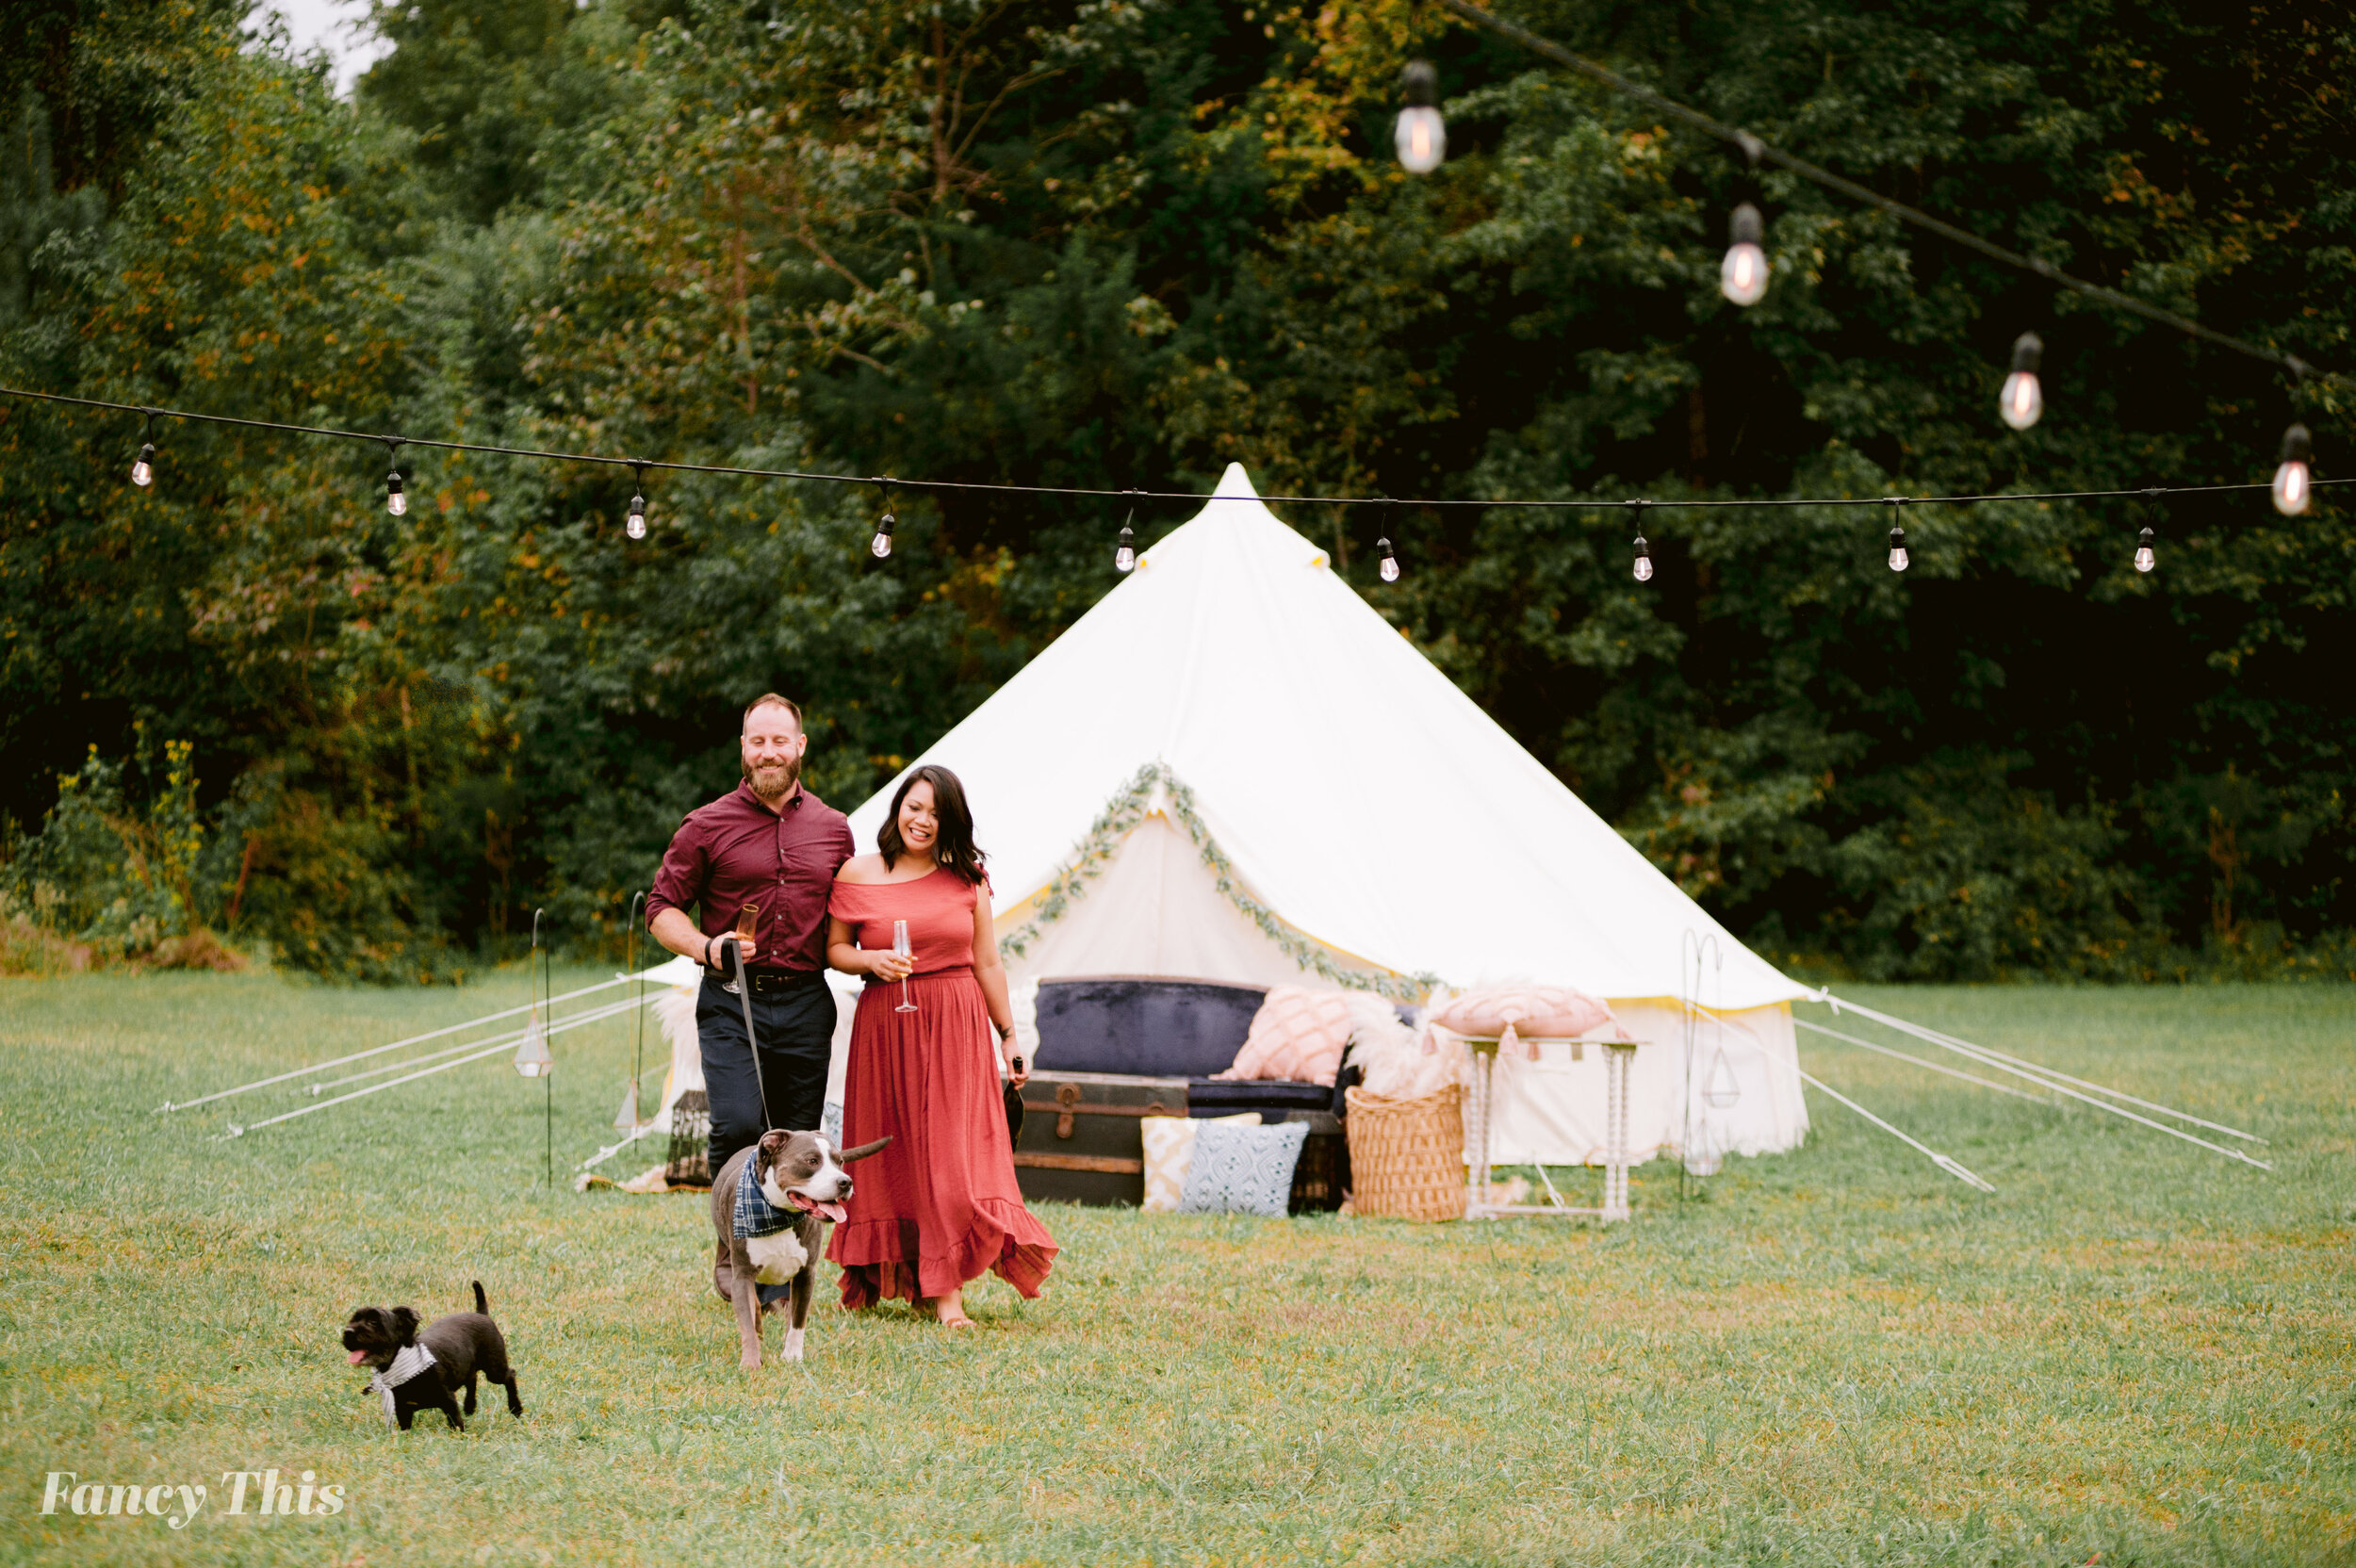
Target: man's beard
{"points": [[792, 775]]}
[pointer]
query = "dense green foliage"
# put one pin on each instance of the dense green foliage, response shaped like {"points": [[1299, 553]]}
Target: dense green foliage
{"points": [[1122, 244]]}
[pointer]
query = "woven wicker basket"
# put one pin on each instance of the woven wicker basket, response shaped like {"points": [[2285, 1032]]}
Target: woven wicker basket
{"points": [[1407, 1156]]}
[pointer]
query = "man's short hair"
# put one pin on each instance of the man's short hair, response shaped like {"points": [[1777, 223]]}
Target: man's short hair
{"points": [[772, 700]]}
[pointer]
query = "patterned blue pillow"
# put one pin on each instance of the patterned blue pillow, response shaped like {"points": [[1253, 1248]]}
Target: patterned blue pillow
{"points": [[1239, 1169]]}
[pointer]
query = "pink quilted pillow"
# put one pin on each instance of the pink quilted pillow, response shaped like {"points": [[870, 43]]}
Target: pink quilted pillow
{"points": [[1551, 1011], [1297, 1037]]}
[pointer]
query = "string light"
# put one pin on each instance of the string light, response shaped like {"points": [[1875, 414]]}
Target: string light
{"points": [[2292, 483], [880, 545], [394, 503], [635, 526], [1644, 560], [1389, 569], [2023, 402], [1125, 553], [2145, 560], [1422, 138], [1742, 277], [1899, 560], [143, 468]]}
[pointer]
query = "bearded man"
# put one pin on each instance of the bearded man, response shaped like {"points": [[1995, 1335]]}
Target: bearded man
{"points": [[771, 846]]}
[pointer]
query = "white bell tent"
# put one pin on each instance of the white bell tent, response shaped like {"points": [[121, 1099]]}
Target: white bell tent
{"points": [[1232, 768]]}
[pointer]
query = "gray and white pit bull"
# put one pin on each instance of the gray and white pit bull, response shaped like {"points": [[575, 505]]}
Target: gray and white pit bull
{"points": [[799, 1173]]}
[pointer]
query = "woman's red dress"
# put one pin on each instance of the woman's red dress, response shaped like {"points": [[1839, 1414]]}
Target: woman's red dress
{"points": [[938, 1205]]}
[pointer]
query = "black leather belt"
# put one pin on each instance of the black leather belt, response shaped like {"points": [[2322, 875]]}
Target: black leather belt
{"points": [[769, 982]]}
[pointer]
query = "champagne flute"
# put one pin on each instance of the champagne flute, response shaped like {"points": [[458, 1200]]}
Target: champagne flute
{"points": [[901, 949]]}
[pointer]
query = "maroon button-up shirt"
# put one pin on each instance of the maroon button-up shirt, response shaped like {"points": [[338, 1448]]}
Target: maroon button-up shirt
{"points": [[736, 851]]}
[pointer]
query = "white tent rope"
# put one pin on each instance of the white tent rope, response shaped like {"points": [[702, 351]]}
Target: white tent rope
{"points": [[1933, 1067], [1975, 1054], [611, 1009], [236, 1132], [380, 1050], [1996, 1057], [611, 1149], [1951, 1167]]}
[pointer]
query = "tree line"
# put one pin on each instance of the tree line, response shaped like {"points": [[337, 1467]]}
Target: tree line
{"points": [[1124, 242]]}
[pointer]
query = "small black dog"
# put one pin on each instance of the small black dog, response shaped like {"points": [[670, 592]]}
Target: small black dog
{"points": [[422, 1368]]}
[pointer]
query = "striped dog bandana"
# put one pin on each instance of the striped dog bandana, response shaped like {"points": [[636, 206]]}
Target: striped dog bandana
{"points": [[407, 1364]]}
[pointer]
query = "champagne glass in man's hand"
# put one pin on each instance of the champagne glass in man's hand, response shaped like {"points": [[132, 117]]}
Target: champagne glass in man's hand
{"points": [[748, 930], [902, 951]]}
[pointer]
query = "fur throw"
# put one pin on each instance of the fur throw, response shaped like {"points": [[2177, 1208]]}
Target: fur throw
{"points": [[1397, 1060]]}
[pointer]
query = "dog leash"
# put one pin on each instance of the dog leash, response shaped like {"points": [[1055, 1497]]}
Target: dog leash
{"points": [[744, 1000]]}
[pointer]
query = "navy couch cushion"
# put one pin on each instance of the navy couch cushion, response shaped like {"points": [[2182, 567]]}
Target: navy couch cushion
{"points": [[1150, 1025]]}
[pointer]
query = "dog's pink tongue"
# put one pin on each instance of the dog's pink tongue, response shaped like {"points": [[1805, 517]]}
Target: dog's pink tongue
{"points": [[358, 1356], [832, 1211]]}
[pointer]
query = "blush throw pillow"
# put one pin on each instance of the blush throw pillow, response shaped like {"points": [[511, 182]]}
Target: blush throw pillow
{"points": [[1243, 1169], [1518, 1011], [1170, 1154], [1297, 1037]]}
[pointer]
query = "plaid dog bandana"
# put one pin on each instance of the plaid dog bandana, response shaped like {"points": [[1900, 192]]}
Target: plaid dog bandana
{"points": [[408, 1363], [755, 1215]]}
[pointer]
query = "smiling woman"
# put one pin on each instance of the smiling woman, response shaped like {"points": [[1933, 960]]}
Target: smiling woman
{"points": [[940, 1205]]}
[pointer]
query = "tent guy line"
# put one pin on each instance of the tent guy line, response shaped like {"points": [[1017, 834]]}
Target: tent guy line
{"points": [[380, 1050], [1928, 1066], [577, 1021], [1946, 1163], [1642, 504], [512, 1037], [1986, 1058]]}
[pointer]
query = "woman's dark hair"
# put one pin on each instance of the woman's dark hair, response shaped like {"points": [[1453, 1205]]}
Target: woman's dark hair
{"points": [[953, 847]]}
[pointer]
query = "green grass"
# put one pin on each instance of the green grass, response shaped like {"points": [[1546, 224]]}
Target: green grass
{"points": [[2134, 1349]]}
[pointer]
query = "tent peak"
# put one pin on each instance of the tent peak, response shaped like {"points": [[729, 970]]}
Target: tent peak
{"points": [[1234, 484]]}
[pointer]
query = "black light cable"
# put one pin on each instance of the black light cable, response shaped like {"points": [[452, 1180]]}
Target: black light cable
{"points": [[1757, 149], [2293, 483]]}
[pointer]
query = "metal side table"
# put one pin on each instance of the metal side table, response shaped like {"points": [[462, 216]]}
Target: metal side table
{"points": [[1617, 1054]]}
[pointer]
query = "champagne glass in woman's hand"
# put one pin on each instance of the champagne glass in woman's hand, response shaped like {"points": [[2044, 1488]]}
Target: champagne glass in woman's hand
{"points": [[902, 951]]}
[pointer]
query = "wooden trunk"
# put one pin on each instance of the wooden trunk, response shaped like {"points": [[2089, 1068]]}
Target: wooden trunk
{"points": [[1081, 1139]]}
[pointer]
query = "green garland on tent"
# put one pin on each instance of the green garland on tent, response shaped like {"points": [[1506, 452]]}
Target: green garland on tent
{"points": [[1120, 816]]}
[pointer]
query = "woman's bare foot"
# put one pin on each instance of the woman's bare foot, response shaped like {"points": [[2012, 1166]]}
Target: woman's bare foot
{"points": [[950, 1310]]}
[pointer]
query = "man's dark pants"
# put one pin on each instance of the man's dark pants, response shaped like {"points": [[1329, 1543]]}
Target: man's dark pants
{"points": [[796, 1031]]}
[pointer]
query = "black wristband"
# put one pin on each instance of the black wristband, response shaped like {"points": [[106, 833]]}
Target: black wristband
{"points": [[708, 963]]}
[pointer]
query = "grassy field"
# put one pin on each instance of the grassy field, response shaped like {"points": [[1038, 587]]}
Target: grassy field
{"points": [[2134, 1352]]}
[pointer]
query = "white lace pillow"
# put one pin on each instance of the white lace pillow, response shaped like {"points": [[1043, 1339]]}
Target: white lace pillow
{"points": [[1170, 1154]]}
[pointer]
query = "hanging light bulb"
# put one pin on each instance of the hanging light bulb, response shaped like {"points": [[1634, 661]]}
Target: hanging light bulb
{"points": [[1899, 560], [1742, 277], [635, 525], [143, 468], [532, 1059], [880, 545], [2023, 402], [1422, 138], [1125, 553], [394, 503], [1644, 560], [2291, 481], [2145, 560], [1389, 568]]}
